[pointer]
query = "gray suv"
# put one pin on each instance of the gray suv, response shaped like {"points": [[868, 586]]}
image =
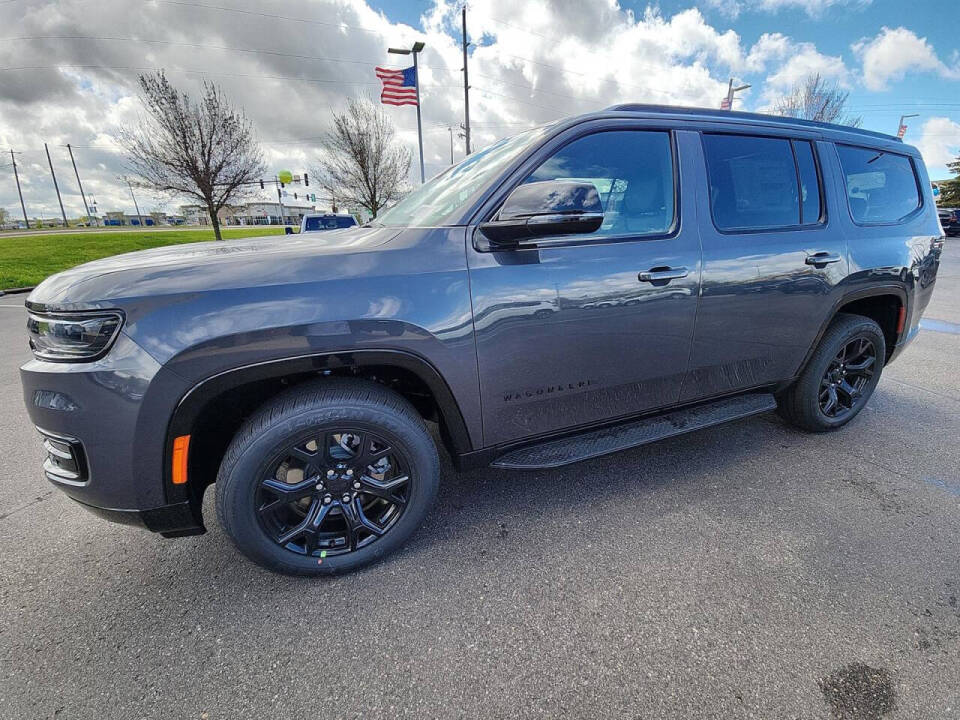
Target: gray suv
{"points": [[583, 287]]}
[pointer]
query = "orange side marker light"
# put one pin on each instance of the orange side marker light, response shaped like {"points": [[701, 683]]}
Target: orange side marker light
{"points": [[181, 445], [901, 319]]}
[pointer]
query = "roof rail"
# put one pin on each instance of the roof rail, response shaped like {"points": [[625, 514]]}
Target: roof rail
{"points": [[746, 117]]}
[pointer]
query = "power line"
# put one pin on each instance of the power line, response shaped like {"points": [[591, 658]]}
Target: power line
{"points": [[202, 46]]}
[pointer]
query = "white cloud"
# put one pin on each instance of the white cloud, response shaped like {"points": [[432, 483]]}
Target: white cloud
{"points": [[940, 144], [813, 8], [894, 52]]}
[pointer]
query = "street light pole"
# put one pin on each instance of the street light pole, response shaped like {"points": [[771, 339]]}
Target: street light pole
{"points": [[415, 50], [137, 207], [19, 191], [450, 130], [86, 208], [901, 128], [728, 105], [55, 187]]}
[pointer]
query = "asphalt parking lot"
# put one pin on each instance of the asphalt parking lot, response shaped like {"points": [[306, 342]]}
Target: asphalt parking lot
{"points": [[748, 570]]}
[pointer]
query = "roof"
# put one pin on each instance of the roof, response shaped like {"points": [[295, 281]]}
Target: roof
{"points": [[734, 116]]}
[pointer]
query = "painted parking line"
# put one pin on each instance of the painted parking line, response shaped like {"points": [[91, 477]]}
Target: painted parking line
{"points": [[940, 326]]}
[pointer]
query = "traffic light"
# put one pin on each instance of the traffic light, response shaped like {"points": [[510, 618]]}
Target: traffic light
{"points": [[306, 180], [294, 196], [261, 184]]}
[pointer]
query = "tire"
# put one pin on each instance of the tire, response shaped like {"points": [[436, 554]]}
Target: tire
{"points": [[803, 403], [325, 432]]}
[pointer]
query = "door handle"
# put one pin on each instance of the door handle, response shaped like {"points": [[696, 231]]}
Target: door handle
{"points": [[662, 274], [822, 258]]}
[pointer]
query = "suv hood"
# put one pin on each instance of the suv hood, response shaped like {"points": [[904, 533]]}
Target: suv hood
{"points": [[202, 266]]}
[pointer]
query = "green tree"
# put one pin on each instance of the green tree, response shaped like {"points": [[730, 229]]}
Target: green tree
{"points": [[4, 217], [950, 190]]}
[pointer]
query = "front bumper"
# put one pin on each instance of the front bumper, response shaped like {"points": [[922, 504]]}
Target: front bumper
{"points": [[104, 427]]}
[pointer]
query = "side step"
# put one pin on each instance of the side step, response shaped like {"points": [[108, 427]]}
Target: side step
{"points": [[594, 443]]}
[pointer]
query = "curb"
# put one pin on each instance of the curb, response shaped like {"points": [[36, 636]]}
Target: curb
{"points": [[14, 291]]}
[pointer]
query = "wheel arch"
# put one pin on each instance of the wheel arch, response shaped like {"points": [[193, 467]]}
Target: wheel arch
{"points": [[876, 302], [214, 408]]}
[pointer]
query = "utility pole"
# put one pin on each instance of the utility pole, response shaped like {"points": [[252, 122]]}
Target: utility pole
{"points": [[55, 187], [19, 191], [86, 208], [466, 85], [139, 217], [450, 130]]}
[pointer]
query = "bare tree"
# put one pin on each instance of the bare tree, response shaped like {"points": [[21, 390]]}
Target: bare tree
{"points": [[205, 150], [4, 217], [363, 164], [816, 99]]}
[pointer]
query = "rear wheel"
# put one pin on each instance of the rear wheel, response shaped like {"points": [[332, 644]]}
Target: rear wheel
{"points": [[327, 477], [840, 377]]}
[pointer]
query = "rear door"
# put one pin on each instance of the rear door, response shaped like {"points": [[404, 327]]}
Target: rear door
{"points": [[574, 330], [774, 254]]}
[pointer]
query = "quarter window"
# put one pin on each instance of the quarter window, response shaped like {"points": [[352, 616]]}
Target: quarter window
{"points": [[633, 173], [881, 186], [760, 183]]}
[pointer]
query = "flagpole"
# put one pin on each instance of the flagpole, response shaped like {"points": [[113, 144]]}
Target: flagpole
{"points": [[416, 75]]}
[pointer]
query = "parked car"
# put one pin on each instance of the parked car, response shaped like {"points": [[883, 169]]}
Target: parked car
{"points": [[950, 221], [323, 222], [733, 264]]}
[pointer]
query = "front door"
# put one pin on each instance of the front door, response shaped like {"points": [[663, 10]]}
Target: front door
{"points": [[581, 329]]}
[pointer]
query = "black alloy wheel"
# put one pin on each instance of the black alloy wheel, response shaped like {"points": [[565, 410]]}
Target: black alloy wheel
{"points": [[327, 477], [334, 493], [839, 377], [847, 375]]}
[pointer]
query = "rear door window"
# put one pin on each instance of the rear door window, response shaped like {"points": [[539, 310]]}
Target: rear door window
{"points": [[881, 186], [761, 183]]}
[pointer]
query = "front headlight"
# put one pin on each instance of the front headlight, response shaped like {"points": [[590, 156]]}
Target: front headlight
{"points": [[72, 337]]}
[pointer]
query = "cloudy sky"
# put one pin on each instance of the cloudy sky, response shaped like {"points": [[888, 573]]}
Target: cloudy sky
{"points": [[68, 69]]}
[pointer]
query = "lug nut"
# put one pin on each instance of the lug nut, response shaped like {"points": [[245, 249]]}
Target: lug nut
{"points": [[349, 472], [327, 499], [330, 473], [345, 498], [319, 486], [356, 486]]}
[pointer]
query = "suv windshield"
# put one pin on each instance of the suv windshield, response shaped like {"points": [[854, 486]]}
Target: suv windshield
{"points": [[433, 201]]}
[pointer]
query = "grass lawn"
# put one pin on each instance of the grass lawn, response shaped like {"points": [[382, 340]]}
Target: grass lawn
{"points": [[26, 260]]}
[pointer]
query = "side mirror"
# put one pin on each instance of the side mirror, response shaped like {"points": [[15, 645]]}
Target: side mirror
{"points": [[551, 207]]}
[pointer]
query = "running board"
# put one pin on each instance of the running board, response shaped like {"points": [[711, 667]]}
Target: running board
{"points": [[594, 443]]}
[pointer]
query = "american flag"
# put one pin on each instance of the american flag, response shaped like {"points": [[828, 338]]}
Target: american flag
{"points": [[399, 86]]}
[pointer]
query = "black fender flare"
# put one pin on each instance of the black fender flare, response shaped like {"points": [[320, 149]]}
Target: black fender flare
{"points": [[873, 291], [196, 399]]}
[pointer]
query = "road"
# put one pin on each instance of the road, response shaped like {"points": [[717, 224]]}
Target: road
{"points": [[748, 570]]}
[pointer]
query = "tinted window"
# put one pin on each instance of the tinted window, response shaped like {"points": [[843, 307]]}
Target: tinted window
{"points": [[753, 182], [809, 182], [632, 172], [328, 223], [881, 186]]}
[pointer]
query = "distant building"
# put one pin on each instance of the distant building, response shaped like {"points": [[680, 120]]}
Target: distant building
{"points": [[258, 212], [120, 219]]}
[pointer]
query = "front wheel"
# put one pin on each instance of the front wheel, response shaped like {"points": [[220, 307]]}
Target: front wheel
{"points": [[840, 377], [327, 477]]}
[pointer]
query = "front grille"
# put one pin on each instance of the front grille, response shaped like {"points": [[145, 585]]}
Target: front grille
{"points": [[65, 461]]}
